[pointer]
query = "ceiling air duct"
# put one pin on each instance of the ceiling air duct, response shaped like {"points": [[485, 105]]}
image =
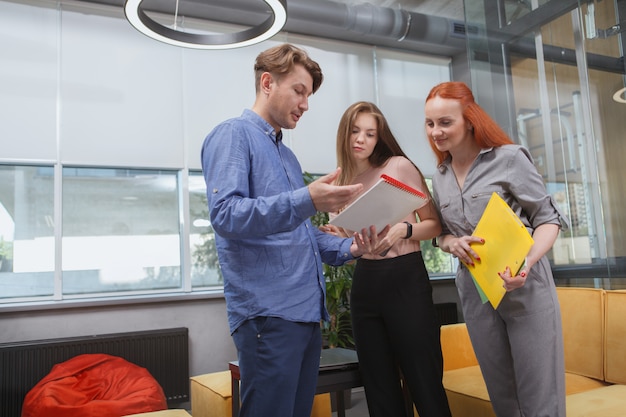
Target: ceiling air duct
{"points": [[360, 22]]}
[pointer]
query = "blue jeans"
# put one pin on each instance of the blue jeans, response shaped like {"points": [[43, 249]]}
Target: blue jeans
{"points": [[278, 363]]}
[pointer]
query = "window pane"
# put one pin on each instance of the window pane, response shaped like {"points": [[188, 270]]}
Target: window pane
{"points": [[205, 270], [26, 231], [120, 230]]}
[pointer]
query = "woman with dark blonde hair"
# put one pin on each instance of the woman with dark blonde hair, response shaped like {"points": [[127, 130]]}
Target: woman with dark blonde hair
{"points": [[519, 345], [393, 317]]}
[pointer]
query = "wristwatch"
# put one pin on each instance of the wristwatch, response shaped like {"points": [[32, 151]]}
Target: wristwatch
{"points": [[409, 230]]}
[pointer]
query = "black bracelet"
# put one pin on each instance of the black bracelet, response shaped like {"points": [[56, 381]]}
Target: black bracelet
{"points": [[409, 230]]}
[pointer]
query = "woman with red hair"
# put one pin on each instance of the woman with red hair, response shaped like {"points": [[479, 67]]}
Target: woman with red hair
{"points": [[519, 345]]}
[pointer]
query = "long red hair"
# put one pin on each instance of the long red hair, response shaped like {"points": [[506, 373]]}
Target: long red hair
{"points": [[487, 133]]}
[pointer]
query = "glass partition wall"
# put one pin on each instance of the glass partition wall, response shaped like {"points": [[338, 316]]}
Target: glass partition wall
{"points": [[553, 74]]}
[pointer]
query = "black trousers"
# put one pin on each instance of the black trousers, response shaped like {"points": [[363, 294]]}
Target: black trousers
{"points": [[396, 332]]}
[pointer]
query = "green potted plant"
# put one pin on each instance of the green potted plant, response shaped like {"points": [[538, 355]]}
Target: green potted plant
{"points": [[338, 331]]}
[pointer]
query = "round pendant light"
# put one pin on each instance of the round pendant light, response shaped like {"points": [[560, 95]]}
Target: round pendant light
{"points": [[618, 96], [146, 25]]}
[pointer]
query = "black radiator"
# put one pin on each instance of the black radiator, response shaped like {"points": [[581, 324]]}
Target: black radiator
{"points": [[446, 313], [164, 353]]}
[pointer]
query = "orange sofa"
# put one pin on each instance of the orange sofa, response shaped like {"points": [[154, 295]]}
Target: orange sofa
{"points": [[594, 333]]}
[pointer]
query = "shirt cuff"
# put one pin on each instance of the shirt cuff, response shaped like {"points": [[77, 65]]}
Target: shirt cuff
{"points": [[346, 255], [303, 203]]}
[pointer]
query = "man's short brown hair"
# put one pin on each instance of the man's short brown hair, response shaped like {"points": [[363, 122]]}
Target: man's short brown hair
{"points": [[281, 59]]}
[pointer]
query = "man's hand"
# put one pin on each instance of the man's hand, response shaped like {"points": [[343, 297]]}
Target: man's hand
{"points": [[328, 197]]}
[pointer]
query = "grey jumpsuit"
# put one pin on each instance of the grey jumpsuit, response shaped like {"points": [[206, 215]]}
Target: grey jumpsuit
{"points": [[519, 346]]}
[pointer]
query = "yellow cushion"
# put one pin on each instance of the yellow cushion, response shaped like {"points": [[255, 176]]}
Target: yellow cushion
{"points": [[321, 406], [615, 334], [456, 347], [217, 382], [211, 396], [467, 393], [602, 402], [463, 406], [582, 313], [575, 383], [468, 381]]}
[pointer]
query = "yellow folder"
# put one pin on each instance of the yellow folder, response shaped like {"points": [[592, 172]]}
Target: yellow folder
{"points": [[507, 243]]}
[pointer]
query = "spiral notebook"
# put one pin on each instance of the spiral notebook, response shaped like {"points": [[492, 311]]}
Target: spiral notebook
{"points": [[507, 243], [386, 202]]}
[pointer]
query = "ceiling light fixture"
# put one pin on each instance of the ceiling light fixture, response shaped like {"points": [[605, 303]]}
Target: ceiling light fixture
{"points": [[618, 96], [149, 27]]}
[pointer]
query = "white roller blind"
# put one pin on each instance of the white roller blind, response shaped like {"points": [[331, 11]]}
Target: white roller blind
{"points": [[121, 101], [28, 82], [81, 86]]}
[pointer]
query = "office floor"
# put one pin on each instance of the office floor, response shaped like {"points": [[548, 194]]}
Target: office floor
{"points": [[359, 405]]}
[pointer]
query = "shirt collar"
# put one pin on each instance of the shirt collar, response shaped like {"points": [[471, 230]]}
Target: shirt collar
{"points": [[262, 124], [442, 167]]}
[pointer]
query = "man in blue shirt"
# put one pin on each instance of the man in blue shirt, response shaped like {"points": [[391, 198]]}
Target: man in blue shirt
{"points": [[270, 254]]}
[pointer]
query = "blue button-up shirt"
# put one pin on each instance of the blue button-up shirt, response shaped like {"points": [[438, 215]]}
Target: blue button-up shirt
{"points": [[270, 253]]}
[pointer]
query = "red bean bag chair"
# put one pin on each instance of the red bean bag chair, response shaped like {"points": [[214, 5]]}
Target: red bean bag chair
{"points": [[94, 385]]}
